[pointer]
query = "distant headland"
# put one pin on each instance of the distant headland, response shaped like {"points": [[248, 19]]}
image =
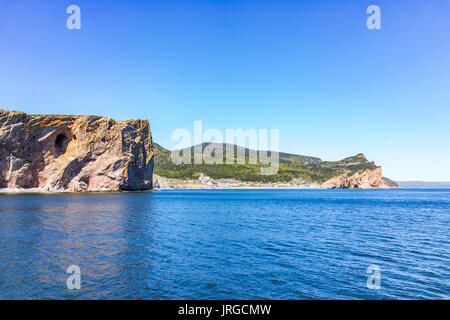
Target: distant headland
{"points": [[295, 171]]}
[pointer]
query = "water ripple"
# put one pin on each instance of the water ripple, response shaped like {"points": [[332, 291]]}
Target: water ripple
{"points": [[230, 244]]}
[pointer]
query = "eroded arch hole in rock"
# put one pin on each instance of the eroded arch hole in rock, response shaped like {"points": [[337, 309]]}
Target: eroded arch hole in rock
{"points": [[61, 143]]}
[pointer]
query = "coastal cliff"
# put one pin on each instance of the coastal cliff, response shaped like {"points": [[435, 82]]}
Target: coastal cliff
{"points": [[74, 153], [366, 179]]}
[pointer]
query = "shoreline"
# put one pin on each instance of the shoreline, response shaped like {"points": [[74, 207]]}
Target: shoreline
{"points": [[46, 192], [278, 188], [43, 191]]}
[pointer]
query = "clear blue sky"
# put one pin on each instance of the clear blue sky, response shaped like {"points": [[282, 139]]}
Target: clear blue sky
{"points": [[308, 68]]}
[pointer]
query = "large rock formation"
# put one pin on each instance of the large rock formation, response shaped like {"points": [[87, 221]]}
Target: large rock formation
{"points": [[366, 179], [74, 153]]}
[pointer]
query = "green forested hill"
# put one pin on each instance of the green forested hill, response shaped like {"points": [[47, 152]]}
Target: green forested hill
{"points": [[291, 166]]}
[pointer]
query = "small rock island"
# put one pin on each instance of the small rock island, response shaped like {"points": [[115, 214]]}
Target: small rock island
{"points": [[74, 153]]}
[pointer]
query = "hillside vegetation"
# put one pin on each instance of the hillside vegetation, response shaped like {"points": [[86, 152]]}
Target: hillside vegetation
{"points": [[292, 167]]}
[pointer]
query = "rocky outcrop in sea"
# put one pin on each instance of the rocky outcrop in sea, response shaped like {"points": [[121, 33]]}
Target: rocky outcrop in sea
{"points": [[74, 153]]}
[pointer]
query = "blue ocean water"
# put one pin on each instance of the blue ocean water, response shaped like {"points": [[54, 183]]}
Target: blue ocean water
{"points": [[227, 244]]}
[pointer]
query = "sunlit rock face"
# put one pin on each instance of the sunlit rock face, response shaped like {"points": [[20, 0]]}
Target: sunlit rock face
{"points": [[74, 153], [366, 179]]}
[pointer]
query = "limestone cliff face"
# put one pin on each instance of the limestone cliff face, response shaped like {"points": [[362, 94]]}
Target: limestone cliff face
{"points": [[367, 179], [74, 153]]}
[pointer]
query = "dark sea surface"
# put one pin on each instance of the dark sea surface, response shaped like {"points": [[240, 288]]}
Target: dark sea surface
{"points": [[227, 244]]}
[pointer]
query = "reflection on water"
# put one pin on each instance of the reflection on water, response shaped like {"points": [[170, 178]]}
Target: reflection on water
{"points": [[43, 234], [244, 244]]}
